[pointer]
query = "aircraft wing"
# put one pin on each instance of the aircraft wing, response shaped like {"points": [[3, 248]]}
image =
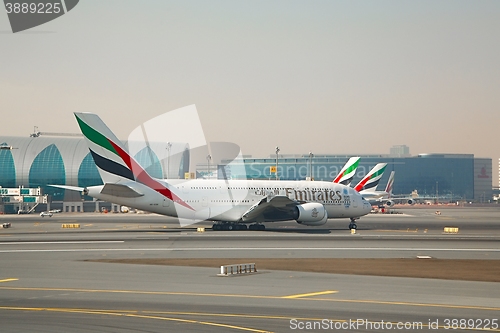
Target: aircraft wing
{"points": [[376, 196], [411, 199], [278, 208]]}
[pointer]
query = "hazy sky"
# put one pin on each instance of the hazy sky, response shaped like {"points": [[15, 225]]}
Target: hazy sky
{"points": [[335, 77]]}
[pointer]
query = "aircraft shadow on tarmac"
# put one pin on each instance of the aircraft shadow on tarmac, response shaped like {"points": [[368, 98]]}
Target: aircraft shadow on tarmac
{"points": [[299, 231]]}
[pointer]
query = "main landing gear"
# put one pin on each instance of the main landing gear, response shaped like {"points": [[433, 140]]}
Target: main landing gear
{"points": [[353, 225], [257, 227], [230, 226]]}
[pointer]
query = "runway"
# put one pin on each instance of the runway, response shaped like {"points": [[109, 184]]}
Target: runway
{"points": [[48, 284]]}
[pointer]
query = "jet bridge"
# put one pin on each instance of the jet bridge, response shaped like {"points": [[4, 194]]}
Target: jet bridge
{"points": [[20, 199]]}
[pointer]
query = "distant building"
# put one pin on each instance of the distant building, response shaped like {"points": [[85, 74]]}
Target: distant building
{"points": [[400, 151], [39, 161], [453, 176]]}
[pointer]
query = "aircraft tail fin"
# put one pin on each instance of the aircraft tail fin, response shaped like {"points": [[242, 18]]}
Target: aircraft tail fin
{"points": [[109, 154], [390, 183], [372, 178], [114, 163], [348, 171]]}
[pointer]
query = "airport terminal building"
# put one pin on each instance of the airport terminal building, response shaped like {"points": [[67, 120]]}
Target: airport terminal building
{"points": [[452, 177], [33, 162]]}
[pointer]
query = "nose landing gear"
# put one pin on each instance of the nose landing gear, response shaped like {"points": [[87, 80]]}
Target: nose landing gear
{"points": [[353, 225]]}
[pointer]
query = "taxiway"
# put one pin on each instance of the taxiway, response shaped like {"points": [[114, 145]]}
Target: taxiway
{"points": [[48, 281]]}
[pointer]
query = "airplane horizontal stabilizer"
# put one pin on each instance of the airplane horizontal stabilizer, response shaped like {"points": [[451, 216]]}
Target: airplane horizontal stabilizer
{"points": [[120, 190], [72, 188]]}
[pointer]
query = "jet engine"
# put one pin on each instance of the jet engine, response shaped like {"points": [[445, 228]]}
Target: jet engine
{"points": [[410, 202], [389, 203], [311, 213]]}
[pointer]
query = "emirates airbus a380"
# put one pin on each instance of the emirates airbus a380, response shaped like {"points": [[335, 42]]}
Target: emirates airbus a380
{"points": [[230, 204]]}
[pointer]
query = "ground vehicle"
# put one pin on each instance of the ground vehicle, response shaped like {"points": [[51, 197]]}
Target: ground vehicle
{"points": [[43, 214]]}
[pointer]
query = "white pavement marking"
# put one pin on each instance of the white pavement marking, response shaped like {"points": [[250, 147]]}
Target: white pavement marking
{"points": [[259, 249], [62, 242]]}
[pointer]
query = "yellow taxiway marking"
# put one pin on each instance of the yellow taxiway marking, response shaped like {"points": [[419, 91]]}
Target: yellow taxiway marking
{"points": [[235, 315], [312, 294], [134, 314], [139, 292], [157, 316], [9, 280], [450, 306], [287, 318], [407, 230]]}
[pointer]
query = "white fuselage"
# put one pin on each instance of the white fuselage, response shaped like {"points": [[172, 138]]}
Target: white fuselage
{"points": [[376, 197], [228, 200]]}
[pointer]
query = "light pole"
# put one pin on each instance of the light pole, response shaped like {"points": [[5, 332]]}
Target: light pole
{"points": [[311, 166], [437, 195], [451, 199], [169, 146], [277, 152], [209, 157]]}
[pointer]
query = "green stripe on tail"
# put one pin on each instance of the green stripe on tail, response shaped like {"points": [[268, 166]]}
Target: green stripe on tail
{"points": [[95, 136]]}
